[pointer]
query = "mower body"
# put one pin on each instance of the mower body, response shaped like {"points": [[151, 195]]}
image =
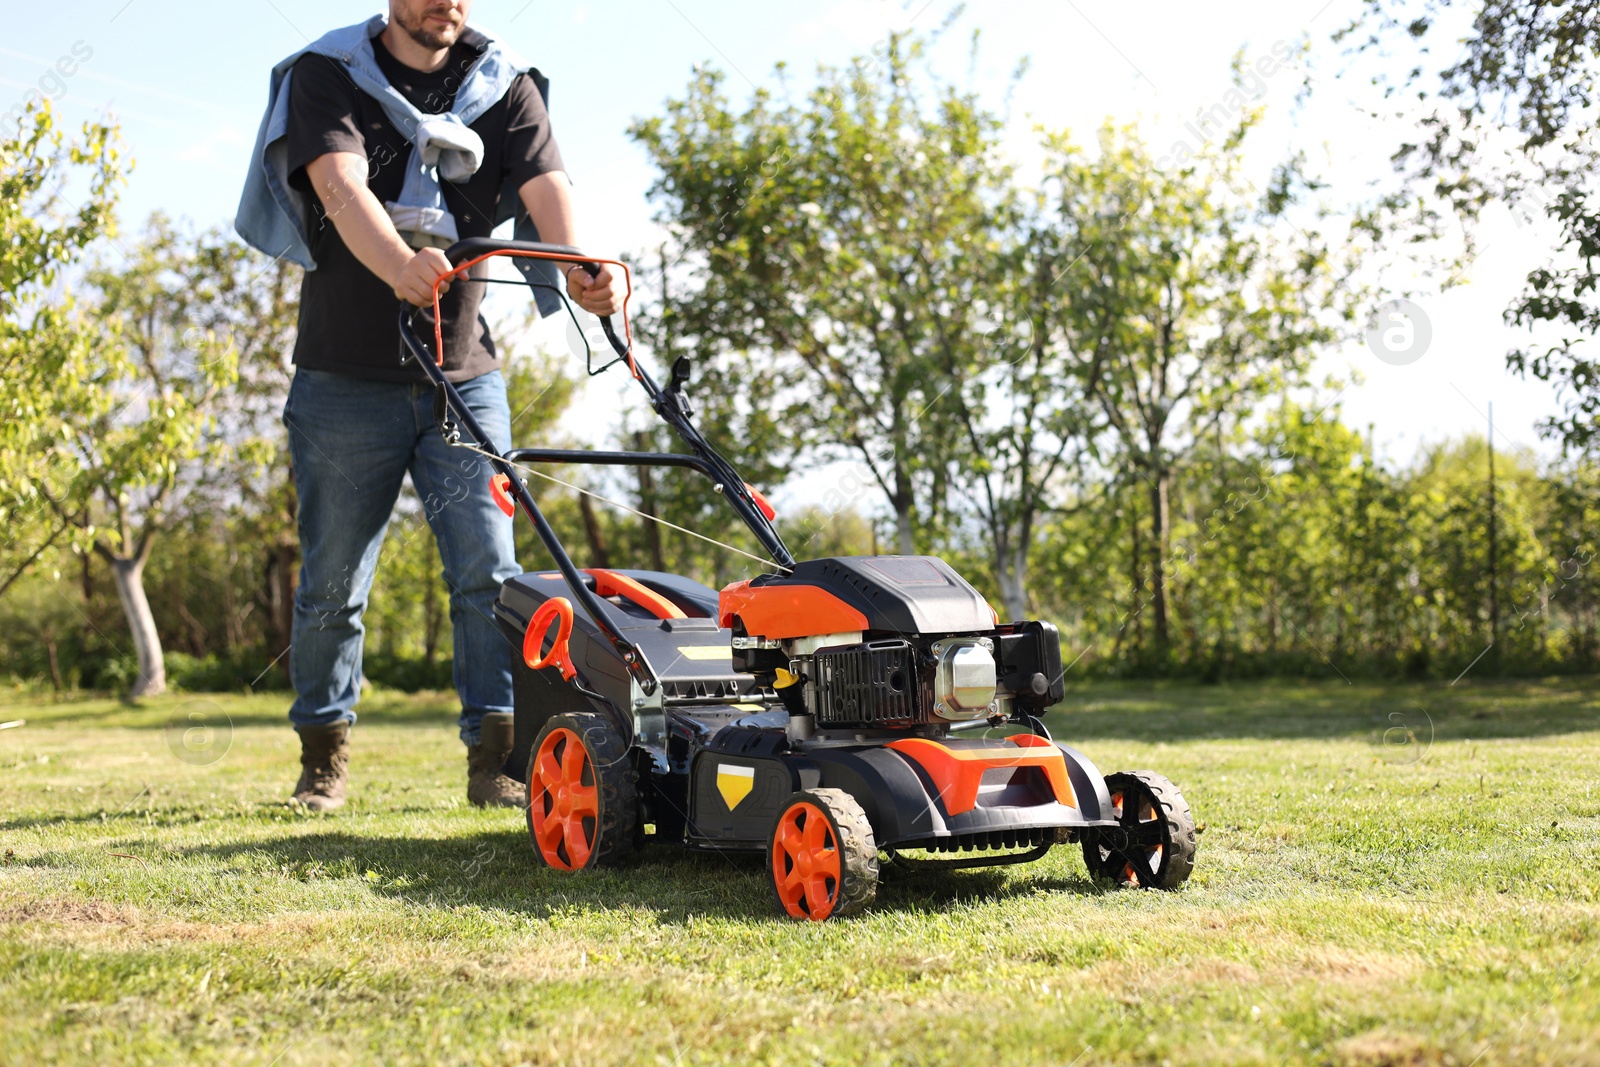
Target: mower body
{"points": [[835, 714], [874, 675]]}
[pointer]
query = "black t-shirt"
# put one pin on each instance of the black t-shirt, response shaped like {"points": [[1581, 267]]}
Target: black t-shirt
{"points": [[347, 313]]}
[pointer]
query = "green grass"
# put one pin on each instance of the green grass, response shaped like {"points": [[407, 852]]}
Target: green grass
{"points": [[1388, 875]]}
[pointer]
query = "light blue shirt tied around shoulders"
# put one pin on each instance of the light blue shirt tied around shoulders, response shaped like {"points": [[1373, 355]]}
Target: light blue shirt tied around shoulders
{"points": [[272, 215]]}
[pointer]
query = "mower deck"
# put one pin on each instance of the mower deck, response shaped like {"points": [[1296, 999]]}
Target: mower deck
{"points": [[713, 748]]}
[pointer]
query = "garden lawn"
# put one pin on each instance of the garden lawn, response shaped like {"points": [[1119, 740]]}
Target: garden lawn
{"points": [[1387, 875]]}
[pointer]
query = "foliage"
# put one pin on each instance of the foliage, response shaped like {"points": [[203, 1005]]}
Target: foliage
{"points": [[148, 455], [1184, 305], [865, 270], [825, 257], [1519, 71], [1295, 551], [47, 346]]}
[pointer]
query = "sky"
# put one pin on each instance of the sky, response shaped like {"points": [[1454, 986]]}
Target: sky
{"points": [[187, 80]]}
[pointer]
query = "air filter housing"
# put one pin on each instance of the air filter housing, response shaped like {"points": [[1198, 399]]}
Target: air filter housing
{"points": [[880, 683]]}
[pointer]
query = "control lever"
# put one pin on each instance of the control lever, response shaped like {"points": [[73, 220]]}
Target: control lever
{"points": [[682, 368]]}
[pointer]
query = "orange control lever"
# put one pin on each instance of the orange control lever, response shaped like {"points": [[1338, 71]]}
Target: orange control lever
{"points": [[761, 501], [560, 654], [498, 488]]}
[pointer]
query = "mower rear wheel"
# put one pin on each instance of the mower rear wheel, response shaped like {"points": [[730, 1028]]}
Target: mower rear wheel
{"points": [[822, 856], [583, 805], [1153, 845]]}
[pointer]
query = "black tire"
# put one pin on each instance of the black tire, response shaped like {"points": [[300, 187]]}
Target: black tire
{"points": [[1153, 847], [598, 829], [848, 880]]}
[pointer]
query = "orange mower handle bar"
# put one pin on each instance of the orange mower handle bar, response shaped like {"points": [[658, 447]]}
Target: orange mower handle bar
{"points": [[464, 255]]}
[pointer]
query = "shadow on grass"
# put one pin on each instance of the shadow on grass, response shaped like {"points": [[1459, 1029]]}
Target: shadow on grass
{"points": [[498, 871], [1380, 713]]}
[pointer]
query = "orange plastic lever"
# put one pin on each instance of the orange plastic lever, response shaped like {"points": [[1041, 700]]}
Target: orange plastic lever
{"points": [[761, 501], [499, 488], [560, 654]]}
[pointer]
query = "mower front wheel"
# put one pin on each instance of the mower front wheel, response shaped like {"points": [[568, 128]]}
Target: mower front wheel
{"points": [[1153, 844], [583, 805], [822, 856]]}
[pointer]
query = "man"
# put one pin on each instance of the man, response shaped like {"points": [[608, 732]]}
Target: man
{"points": [[358, 422]]}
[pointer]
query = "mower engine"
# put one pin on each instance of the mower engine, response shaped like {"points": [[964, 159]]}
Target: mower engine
{"points": [[887, 643]]}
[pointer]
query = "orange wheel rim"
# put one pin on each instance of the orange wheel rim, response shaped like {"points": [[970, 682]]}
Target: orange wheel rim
{"points": [[563, 801], [805, 862]]}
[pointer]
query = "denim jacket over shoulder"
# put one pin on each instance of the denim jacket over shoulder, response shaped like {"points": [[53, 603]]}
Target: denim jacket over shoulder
{"points": [[272, 215]]}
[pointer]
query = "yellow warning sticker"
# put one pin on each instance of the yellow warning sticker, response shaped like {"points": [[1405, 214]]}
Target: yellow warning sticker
{"points": [[704, 651], [734, 783]]}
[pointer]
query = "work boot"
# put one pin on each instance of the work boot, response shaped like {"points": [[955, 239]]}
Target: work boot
{"points": [[487, 785], [324, 766]]}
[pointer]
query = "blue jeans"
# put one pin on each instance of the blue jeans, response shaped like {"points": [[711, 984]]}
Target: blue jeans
{"points": [[352, 442]]}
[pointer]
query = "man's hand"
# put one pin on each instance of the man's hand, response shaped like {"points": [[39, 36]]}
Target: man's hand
{"points": [[601, 295], [415, 284]]}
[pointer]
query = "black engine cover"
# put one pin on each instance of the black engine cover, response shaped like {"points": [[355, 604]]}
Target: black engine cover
{"points": [[902, 595]]}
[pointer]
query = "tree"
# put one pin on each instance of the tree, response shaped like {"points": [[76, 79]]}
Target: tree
{"points": [[1187, 304], [844, 240], [1572, 541], [1013, 391], [46, 345], [1522, 72], [136, 464]]}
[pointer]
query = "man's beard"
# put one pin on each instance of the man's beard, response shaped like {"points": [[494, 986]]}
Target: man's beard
{"points": [[419, 32]]}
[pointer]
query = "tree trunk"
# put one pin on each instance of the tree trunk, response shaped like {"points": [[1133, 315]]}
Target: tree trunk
{"points": [[1013, 574], [1135, 617], [1158, 564], [598, 556], [904, 544], [282, 575], [903, 504], [647, 504], [55, 662], [129, 576], [1272, 616]]}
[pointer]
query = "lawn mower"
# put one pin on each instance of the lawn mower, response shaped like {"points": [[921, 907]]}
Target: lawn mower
{"points": [[834, 714]]}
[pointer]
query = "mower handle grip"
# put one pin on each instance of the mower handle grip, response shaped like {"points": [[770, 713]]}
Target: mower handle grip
{"points": [[475, 248]]}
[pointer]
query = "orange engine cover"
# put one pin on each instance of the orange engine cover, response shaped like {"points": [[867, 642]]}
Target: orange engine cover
{"points": [[780, 612]]}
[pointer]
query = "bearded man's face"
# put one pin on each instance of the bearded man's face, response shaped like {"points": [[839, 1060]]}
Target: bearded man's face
{"points": [[431, 23]]}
